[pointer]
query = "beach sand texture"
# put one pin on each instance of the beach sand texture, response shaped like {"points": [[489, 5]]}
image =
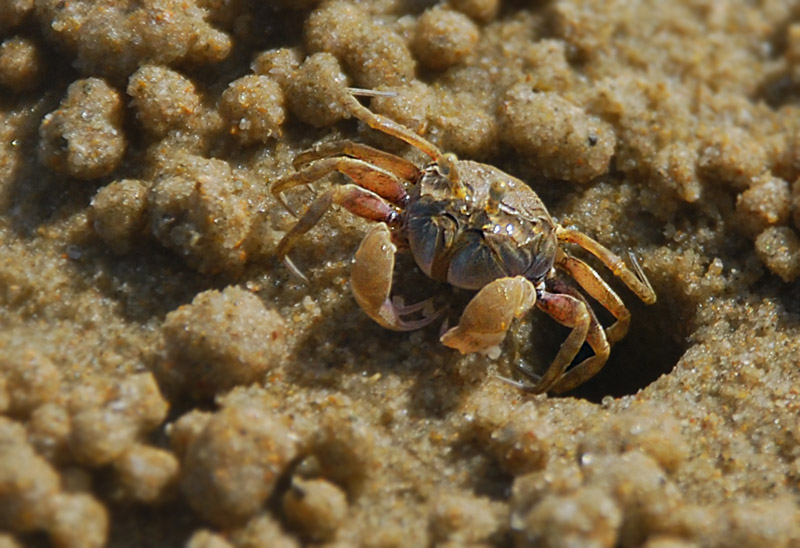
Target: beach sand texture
{"points": [[166, 381]]}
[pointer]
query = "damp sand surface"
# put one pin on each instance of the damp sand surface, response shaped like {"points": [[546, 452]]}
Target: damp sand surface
{"points": [[165, 380]]}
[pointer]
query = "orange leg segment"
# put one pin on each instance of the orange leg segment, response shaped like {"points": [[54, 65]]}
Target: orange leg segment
{"points": [[634, 279], [595, 286], [389, 126], [570, 312], [595, 338], [355, 199], [401, 167], [383, 183]]}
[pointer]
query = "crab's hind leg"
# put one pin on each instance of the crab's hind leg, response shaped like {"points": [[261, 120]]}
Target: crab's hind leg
{"points": [[635, 279], [488, 315], [380, 181], [563, 303], [355, 199], [371, 283], [595, 286], [400, 167], [388, 126]]}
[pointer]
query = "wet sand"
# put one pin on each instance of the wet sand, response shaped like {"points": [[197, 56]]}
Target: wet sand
{"points": [[165, 380]]}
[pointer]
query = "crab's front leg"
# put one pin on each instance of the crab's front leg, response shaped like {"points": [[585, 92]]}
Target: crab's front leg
{"points": [[489, 314], [371, 283]]}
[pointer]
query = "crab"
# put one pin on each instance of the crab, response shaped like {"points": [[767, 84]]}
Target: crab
{"points": [[475, 227]]}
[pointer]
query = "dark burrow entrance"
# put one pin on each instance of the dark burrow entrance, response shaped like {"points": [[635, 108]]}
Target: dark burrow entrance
{"points": [[655, 342]]}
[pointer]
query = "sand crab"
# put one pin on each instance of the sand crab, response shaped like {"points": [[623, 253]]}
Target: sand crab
{"points": [[473, 226]]}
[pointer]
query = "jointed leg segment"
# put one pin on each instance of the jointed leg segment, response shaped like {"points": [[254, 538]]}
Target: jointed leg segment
{"points": [[355, 199], [634, 279], [595, 337], [569, 312], [389, 126], [383, 183], [379, 181], [597, 287], [400, 167]]}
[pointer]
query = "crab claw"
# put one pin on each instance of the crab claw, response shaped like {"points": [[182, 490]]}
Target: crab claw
{"points": [[371, 283], [488, 315]]}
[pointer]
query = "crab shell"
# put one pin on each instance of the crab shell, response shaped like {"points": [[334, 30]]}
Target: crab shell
{"points": [[458, 236]]}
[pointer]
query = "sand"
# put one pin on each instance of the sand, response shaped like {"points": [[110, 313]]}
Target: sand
{"points": [[166, 381]]}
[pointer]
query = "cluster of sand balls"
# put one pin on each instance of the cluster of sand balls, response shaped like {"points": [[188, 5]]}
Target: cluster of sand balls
{"points": [[84, 137], [173, 161], [233, 458], [92, 426]]}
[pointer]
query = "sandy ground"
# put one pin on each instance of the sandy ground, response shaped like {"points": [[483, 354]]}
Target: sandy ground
{"points": [[166, 381]]}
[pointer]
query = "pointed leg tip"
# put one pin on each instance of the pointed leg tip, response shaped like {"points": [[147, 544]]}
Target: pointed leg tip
{"points": [[296, 271]]}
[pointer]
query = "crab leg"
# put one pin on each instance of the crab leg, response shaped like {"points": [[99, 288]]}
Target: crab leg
{"points": [[595, 338], [488, 315], [589, 367], [371, 283], [634, 279], [570, 312], [355, 199], [384, 160], [390, 127], [379, 181], [595, 286]]}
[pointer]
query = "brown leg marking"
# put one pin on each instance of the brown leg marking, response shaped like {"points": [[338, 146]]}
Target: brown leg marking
{"points": [[355, 199], [595, 337], [570, 312], [383, 183]]}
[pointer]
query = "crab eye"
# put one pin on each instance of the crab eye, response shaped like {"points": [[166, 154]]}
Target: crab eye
{"points": [[496, 192], [447, 169], [447, 165]]}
